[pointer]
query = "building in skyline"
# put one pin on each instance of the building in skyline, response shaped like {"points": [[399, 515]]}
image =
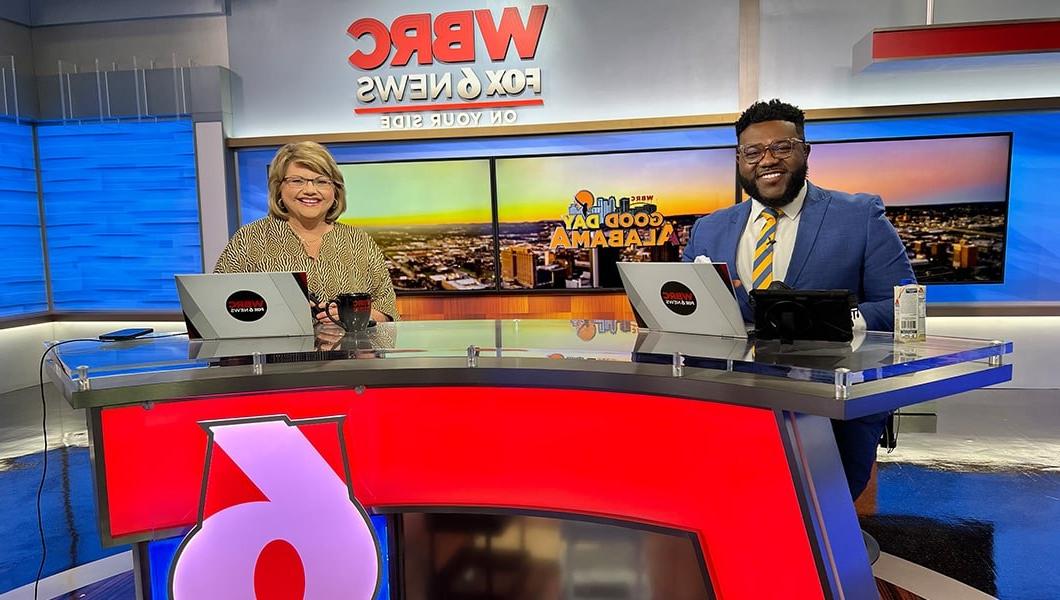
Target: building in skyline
{"points": [[953, 243], [519, 265], [945, 243]]}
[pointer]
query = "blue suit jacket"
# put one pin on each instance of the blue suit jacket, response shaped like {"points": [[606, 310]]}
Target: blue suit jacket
{"points": [[844, 241]]}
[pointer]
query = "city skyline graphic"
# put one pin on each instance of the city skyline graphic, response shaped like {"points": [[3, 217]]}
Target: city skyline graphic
{"points": [[417, 194], [920, 172], [946, 197], [434, 221], [691, 181], [535, 193]]}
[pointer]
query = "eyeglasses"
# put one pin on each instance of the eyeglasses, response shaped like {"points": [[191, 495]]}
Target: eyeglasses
{"points": [[754, 153], [300, 182]]}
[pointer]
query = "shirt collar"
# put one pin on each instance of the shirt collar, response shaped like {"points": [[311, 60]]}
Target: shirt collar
{"points": [[791, 210]]}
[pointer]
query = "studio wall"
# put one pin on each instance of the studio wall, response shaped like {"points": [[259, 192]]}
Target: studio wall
{"points": [[203, 40], [22, 278], [121, 213], [1013, 158], [598, 59], [60, 12], [806, 55], [18, 89]]}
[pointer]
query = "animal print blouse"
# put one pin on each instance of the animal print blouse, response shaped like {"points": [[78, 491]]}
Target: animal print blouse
{"points": [[348, 262]]}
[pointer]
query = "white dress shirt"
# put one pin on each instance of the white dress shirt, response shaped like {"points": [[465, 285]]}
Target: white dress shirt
{"points": [[787, 228]]}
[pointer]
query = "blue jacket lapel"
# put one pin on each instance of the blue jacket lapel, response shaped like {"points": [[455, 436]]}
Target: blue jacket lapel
{"points": [[810, 219], [730, 236], [731, 242]]}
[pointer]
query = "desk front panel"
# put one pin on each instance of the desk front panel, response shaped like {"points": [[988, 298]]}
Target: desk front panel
{"points": [[718, 471]]}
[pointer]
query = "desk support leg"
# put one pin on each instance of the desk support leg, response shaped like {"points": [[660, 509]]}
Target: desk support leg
{"points": [[141, 571], [827, 507]]}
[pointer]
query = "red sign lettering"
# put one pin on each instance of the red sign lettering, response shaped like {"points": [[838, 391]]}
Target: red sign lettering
{"points": [[452, 38], [511, 28]]}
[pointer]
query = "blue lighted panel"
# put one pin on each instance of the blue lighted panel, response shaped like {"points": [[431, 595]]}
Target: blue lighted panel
{"points": [[22, 288], [121, 211], [1032, 219], [160, 556]]}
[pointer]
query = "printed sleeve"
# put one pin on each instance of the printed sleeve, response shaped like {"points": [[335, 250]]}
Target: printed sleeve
{"points": [[233, 258], [379, 282]]}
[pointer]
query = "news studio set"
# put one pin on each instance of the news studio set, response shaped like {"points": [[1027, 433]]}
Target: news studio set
{"points": [[569, 300]]}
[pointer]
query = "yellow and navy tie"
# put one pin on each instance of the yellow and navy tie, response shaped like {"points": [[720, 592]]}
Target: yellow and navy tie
{"points": [[762, 267]]}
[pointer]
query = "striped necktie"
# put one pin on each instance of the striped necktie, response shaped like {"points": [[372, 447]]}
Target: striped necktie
{"points": [[762, 267]]}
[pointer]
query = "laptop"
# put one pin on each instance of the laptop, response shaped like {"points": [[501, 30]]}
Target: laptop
{"points": [[245, 305], [683, 297]]}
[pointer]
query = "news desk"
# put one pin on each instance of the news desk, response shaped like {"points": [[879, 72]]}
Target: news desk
{"points": [[266, 462]]}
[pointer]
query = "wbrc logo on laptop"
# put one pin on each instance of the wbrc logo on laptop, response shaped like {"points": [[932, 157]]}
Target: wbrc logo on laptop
{"points": [[678, 298], [246, 306]]}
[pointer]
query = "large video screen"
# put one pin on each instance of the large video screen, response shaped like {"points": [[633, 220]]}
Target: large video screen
{"points": [[565, 221], [946, 196], [559, 212], [433, 220], [521, 557]]}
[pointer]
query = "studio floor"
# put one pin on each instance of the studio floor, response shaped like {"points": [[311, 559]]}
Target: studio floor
{"points": [[967, 506]]}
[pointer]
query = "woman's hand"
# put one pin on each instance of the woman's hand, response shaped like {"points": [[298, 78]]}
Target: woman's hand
{"points": [[321, 310], [329, 337]]}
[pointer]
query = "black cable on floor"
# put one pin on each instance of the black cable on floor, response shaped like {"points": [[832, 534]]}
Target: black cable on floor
{"points": [[44, 470], [44, 432]]}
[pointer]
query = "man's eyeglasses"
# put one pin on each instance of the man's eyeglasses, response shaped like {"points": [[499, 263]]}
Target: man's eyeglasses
{"points": [[320, 182], [754, 153]]}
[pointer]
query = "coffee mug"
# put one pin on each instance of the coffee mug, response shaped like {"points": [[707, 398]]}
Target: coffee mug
{"points": [[354, 310]]}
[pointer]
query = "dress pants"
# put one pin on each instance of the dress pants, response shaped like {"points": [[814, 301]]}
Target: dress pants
{"points": [[858, 440]]}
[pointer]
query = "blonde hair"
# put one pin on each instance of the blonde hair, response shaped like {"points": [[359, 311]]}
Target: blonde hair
{"points": [[314, 157]]}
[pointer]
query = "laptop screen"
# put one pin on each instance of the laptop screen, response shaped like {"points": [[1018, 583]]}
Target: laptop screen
{"points": [[683, 298], [241, 305]]}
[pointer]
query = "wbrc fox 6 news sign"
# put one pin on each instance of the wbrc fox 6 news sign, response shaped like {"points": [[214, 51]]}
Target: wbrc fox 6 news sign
{"points": [[466, 96], [277, 516]]}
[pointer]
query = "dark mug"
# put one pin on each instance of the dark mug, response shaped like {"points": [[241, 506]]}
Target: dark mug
{"points": [[355, 310]]}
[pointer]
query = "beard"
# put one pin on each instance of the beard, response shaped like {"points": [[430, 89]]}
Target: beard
{"points": [[798, 179]]}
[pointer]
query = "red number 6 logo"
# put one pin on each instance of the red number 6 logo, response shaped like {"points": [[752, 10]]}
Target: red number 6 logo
{"points": [[308, 512]]}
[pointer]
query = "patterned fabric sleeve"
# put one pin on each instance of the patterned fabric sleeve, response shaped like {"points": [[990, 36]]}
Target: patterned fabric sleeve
{"points": [[233, 257], [382, 288], [349, 261]]}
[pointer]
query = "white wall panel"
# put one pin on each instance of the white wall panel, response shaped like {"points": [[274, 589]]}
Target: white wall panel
{"points": [[806, 51], [213, 191], [1035, 341], [963, 11], [599, 59]]}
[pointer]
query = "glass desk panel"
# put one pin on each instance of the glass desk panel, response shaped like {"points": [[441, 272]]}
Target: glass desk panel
{"points": [[869, 357]]}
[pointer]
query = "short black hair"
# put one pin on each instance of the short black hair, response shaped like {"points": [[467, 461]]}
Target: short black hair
{"points": [[773, 110]]}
